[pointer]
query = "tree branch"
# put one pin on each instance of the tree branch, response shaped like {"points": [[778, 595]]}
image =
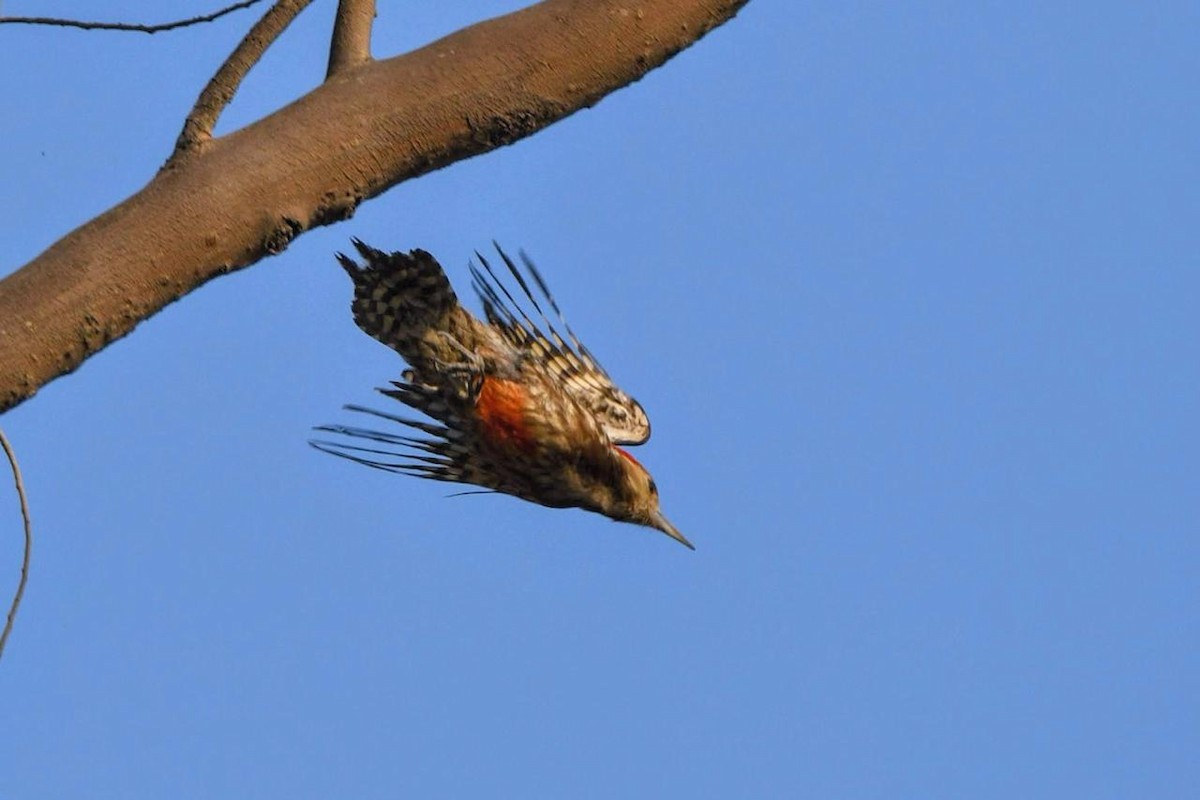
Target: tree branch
{"points": [[20, 485], [125, 26], [351, 44], [247, 194], [198, 127]]}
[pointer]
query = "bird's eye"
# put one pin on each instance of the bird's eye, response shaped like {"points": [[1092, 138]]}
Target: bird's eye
{"points": [[653, 487]]}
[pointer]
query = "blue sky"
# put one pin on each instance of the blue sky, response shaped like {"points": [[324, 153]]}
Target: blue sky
{"points": [[909, 292]]}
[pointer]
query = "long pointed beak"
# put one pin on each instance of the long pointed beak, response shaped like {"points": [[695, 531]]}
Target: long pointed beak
{"points": [[661, 523]]}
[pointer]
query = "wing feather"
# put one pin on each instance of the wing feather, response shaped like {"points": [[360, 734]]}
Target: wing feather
{"points": [[438, 456], [622, 418]]}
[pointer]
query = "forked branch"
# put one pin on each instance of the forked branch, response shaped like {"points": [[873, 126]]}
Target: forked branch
{"points": [[198, 127], [247, 194], [351, 43]]}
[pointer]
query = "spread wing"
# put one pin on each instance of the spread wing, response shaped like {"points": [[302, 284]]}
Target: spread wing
{"points": [[443, 454], [621, 417]]}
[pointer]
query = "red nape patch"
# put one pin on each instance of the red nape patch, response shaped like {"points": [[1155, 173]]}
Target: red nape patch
{"points": [[501, 409], [629, 458]]}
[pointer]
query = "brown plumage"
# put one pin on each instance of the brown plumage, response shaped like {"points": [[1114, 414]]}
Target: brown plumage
{"points": [[519, 408]]}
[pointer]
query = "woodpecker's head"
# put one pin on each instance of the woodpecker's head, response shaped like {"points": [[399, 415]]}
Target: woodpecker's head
{"points": [[636, 499]]}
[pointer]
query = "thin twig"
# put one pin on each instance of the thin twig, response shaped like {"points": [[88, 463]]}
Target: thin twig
{"points": [[125, 26], [351, 42], [198, 127], [16, 601]]}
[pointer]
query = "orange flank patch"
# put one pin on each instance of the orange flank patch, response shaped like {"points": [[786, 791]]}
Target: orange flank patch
{"points": [[501, 409]]}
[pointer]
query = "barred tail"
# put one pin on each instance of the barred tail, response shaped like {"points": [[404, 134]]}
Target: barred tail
{"points": [[399, 296]]}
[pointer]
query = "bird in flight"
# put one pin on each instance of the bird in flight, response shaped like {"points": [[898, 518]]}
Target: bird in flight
{"points": [[520, 406]]}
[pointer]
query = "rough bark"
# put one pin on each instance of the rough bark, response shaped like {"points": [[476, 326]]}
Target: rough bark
{"points": [[246, 195]]}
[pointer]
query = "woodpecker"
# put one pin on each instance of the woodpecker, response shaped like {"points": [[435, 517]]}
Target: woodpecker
{"points": [[520, 407]]}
